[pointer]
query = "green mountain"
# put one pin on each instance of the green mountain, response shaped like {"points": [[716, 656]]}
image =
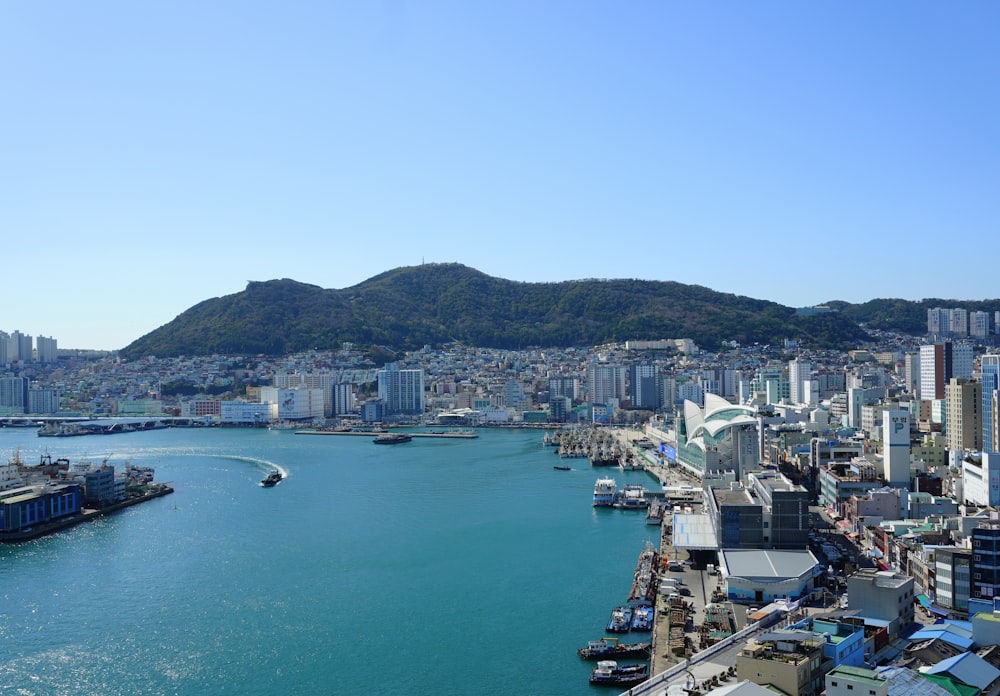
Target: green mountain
{"points": [[432, 304]]}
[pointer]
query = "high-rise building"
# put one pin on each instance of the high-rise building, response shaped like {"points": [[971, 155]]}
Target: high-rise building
{"points": [[959, 322], [963, 418], [401, 391], [990, 381], [46, 350], [19, 348], [979, 325], [938, 322], [14, 393], [799, 371], [939, 362], [606, 383], [644, 382], [344, 398]]}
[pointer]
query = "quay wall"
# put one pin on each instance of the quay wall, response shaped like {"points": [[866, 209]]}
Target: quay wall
{"points": [[84, 516]]}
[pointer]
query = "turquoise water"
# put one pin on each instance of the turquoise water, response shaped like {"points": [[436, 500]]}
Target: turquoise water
{"points": [[432, 567]]}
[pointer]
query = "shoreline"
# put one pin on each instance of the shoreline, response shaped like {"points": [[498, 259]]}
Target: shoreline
{"points": [[85, 515]]}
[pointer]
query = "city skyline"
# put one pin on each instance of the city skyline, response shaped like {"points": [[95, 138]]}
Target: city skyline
{"points": [[159, 156]]}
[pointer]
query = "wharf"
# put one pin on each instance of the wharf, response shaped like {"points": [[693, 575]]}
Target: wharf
{"points": [[85, 515], [458, 435]]}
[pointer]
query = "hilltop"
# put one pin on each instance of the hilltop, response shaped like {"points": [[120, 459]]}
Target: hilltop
{"points": [[432, 304]]}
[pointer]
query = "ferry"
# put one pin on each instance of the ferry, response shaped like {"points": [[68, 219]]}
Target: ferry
{"points": [[604, 492], [609, 673], [392, 439], [654, 514]]}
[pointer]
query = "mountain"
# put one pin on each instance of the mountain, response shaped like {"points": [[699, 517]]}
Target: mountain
{"points": [[432, 304]]}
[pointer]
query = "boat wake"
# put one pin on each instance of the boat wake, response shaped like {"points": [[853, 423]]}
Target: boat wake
{"points": [[262, 463]]}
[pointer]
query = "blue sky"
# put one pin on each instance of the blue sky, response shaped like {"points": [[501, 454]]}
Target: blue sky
{"points": [[155, 155]]}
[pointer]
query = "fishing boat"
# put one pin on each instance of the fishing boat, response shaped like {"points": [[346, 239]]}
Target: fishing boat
{"points": [[610, 647], [621, 620], [559, 467], [610, 673], [642, 618]]}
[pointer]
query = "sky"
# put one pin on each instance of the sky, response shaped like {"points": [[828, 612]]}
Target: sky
{"points": [[157, 154]]}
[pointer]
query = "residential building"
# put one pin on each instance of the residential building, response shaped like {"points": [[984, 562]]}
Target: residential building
{"points": [[606, 383], [644, 385], [401, 391], [46, 350], [799, 372], [847, 680]]}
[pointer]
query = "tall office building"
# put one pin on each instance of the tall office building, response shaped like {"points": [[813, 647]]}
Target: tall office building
{"points": [[401, 391], [990, 382], [963, 418], [644, 381], [606, 383], [939, 362]]}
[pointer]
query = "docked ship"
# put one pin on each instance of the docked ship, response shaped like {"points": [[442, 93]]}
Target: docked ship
{"points": [[610, 647], [621, 620], [644, 579], [610, 673], [272, 479], [642, 618], [654, 513], [632, 497], [392, 439], [604, 492]]}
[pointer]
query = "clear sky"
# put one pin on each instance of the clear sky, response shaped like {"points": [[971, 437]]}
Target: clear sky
{"points": [[157, 154]]}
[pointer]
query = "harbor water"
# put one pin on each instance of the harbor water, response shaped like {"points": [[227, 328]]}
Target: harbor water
{"points": [[437, 566]]}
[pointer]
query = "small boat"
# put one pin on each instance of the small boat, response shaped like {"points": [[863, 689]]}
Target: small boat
{"points": [[557, 467], [610, 673], [272, 479], [610, 647], [392, 439], [621, 620], [642, 619]]}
